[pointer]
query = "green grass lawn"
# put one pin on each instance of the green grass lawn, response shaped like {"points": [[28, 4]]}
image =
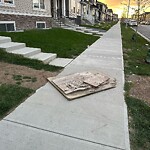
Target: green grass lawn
{"points": [[65, 43], [11, 96], [135, 53], [140, 124], [102, 26], [139, 121]]}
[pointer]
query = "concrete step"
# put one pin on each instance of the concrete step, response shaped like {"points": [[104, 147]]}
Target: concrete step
{"points": [[64, 26], [81, 31], [44, 57], [80, 28], [4, 39], [69, 28], [94, 32], [100, 33], [96, 35], [88, 33], [88, 30], [57, 21], [27, 51], [10, 46], [61, 62]]}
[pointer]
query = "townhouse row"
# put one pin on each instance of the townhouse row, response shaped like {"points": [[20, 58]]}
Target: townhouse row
{"points": [[142, 17], [30, 14]]}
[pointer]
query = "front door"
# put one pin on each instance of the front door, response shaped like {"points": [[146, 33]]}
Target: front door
{"points": [[52, 8], [67, 7], [59, 8], [56, 8]]}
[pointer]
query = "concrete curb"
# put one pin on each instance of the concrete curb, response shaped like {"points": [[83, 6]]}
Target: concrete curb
{"points": [[141, 35]]}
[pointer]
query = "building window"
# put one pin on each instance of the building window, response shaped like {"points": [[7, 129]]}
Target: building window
{"points": [[74, 9], [7, 26], [40, 25], [38, 4], [7, 1]]}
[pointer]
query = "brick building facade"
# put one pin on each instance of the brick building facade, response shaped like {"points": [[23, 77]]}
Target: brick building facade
{"points": [[28, 14]]}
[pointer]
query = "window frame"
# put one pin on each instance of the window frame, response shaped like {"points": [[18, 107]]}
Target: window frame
{"points": [[9, 22], [40, 22], [7, 4], [39, 4]]}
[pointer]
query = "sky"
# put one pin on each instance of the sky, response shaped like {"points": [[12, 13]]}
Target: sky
{"points": [[117, 6]]}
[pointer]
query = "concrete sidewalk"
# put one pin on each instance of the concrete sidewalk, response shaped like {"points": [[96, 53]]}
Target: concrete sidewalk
{"points": [[47, 121]]}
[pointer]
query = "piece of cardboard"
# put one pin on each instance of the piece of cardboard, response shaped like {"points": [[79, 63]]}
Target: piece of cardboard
{"points": [[82, 84]]}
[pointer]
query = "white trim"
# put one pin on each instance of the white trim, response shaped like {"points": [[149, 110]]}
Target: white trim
{"points": [[38, 9], [9, 22], [24, 14], [41, 22]]}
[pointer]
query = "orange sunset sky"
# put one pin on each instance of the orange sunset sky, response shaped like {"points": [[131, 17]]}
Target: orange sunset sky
{"points": [[118, 7]]}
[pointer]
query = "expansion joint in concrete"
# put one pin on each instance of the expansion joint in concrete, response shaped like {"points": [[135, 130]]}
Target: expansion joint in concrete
{"points": [[69, 136]]}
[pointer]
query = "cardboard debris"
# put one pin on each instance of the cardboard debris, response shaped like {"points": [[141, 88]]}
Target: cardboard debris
{"points": [[97, 80], [82, 84]]}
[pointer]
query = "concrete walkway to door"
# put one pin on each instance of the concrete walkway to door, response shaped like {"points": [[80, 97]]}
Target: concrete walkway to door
{"points": [[47, 121]]}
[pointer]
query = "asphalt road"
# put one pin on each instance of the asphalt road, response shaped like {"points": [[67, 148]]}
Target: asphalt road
{"points": [[144, 30]]}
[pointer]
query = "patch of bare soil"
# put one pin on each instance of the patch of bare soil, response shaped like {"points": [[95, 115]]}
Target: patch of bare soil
{"points": [[140, 87], [24, 76]]}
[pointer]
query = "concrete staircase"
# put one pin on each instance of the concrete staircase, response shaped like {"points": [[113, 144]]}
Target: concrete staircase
{"points": [[77, 28], [32, 53], [35, 53], [89, 31]]}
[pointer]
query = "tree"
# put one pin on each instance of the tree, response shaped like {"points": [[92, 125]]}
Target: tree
{"points": [[124, 13], [143, 4]]}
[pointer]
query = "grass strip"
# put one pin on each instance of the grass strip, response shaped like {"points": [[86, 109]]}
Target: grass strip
{"points": [[11, 96], [135, 52], [139, 123]]}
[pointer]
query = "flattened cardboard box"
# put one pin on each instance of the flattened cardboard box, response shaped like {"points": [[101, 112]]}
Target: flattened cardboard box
{"points": [[81, 84]]}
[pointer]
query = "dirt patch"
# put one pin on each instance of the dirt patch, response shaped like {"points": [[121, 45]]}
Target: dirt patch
{"points": [[24, 76], [140, 87]]}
